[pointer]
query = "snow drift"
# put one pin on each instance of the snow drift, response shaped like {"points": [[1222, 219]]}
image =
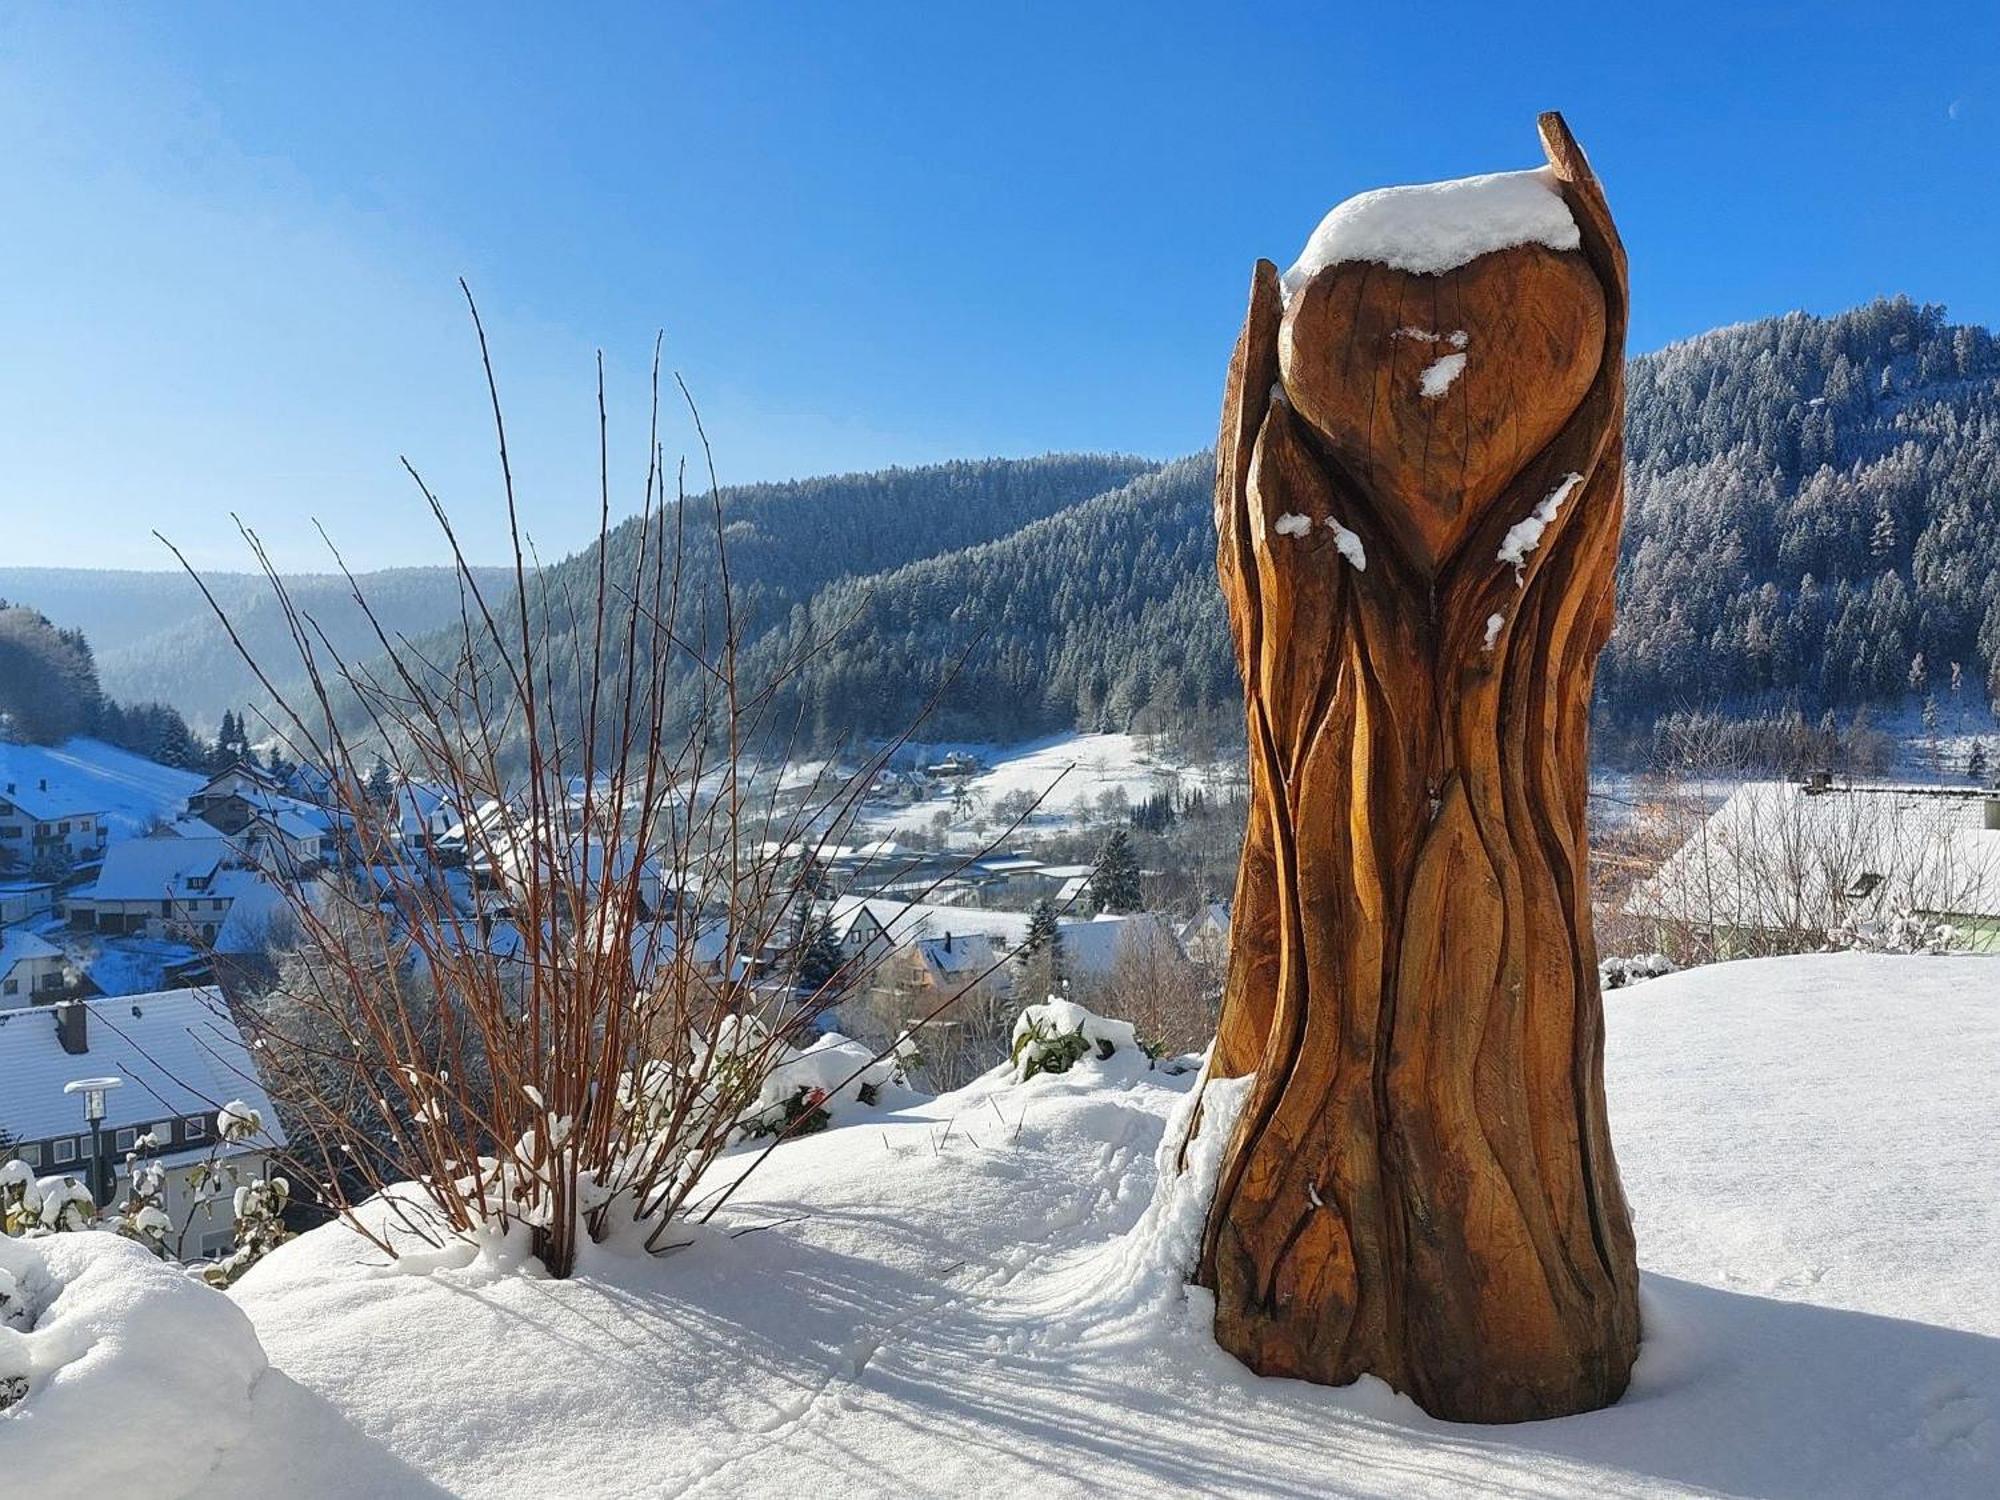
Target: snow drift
{"points": [[138, 1376]]}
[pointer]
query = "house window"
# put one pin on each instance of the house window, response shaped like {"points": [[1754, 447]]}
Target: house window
{"points": [[197, 1128], [65, 1150], [31, 1153], [11, 987], [1865, 885], [126, 1140], [216, 1245]]}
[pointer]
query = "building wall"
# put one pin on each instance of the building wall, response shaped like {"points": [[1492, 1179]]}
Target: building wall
{"points": [[25, 839]]}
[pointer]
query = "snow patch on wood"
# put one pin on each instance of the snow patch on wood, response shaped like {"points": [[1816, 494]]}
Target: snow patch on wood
{"points": [[1439, 374], [1350, 545], [1525, 535]]}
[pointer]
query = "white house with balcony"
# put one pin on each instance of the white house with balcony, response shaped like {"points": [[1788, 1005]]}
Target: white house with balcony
{"points": [[32, 970], [42, 820], [181, 1058]]}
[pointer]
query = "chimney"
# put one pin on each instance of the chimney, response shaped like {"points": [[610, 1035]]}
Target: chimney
{"points": [[73, 1027]]}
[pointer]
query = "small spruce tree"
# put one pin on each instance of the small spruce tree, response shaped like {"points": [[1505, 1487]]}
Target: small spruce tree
{"points": [[1114, 882], [1041, 956], [820, 959]]}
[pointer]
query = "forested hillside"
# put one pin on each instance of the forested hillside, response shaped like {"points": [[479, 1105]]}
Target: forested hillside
{"points": [[49, 691], [155, 638], [1103, 616], [1813, 520], [1814, 506]]}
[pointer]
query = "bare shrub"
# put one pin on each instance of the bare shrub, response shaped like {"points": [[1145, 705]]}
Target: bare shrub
{"points": [[560, 1018], [1171, 1001]]}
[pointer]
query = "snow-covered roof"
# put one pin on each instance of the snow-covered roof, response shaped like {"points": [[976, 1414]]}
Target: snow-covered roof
{"points": [[1090, 944], [18, 946], [1435, 226], [1008, 864], [253, 903], [1778, 856], [180, 1052], [83, 775], [152, 869], [1213, 917], [907, 921], [959, 958], [295, 820]]}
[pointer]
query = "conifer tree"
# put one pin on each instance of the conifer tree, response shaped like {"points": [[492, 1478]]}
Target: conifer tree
{"points": [[1114, 880], [1041, 965]]}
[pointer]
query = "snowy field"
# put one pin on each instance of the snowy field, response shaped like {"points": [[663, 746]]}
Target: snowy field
{"points": [[1071, 773], [980, 1294], [86, 775]]}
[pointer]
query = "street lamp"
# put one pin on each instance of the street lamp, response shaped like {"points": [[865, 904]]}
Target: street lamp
{"points": [[93, 1091]]}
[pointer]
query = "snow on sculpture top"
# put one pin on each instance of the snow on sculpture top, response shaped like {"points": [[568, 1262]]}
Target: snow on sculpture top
{"points": [[1436, 226]]}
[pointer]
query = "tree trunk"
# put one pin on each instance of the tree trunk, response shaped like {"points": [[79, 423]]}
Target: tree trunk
{"points": [[1421, 1186]]}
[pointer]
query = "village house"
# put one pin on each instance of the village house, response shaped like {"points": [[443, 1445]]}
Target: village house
{"points": [[180, 1056], [32, 970], [1782, 865], [39, 824], [276, 831], [908, 945], [1205, 938], [167, 886], [22, 900]]}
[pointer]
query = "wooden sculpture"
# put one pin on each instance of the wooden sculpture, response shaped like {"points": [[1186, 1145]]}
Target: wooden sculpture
{"points": [[1418, 495]]}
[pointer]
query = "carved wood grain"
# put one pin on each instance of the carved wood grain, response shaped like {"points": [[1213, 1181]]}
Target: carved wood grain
{"points": [[1422, 1186]]}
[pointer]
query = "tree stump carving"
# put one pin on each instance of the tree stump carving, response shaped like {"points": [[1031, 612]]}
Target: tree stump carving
{"points": [[1417, 554]]}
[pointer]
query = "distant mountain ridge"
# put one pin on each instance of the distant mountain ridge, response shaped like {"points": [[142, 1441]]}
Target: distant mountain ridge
{"points": [[156, 640], [1813, 516]]}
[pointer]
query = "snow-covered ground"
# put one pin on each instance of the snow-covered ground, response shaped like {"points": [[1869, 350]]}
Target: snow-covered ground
{"points": [[1070, 773], [88, 775], [979, 1294]]}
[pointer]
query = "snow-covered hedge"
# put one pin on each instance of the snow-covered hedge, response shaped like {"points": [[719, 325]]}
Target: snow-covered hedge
{"points": [[1900, 931], [832, 1075], [801, 1090], [1616, 973], [132, 1376], [1057, 1034]]}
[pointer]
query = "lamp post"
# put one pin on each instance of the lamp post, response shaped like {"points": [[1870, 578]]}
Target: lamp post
{"points": [[93, 1091]]}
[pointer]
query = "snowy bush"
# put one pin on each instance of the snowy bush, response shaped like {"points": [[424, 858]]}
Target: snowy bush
{"points": [[1902, 931], [1058, 1034], [767, 1086], [124, 1375], [1615, 973], [32, 1207]]}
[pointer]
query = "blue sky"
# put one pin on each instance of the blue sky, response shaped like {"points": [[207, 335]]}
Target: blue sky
{"points": [[873, 233]]}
